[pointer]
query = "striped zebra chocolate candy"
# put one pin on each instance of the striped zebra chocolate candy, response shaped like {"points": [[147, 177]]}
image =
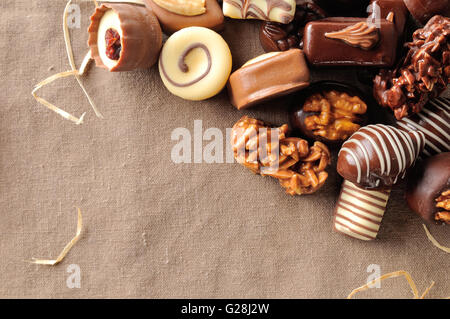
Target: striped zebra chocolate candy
{"points": [[371, 161], [376, 156], [359, 212], [434, 122]]}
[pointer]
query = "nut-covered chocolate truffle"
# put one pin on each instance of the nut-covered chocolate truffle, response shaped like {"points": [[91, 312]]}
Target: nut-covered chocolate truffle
{"points": [[124, 37], [428, 189], [376, 156], [424, 73]]}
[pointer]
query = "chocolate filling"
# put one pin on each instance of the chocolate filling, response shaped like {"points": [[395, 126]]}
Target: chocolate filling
{"points": [[113, 44], [443, 201]]}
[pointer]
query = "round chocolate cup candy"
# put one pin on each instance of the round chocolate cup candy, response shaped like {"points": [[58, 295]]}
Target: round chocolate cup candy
{"points": [[426, 183], [297, 116]]}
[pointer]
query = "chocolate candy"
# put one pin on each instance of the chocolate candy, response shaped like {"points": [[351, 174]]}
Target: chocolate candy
{"points": [[343, 8], [266, 150], [358, 212], [371, 161], [350, 41], [434, 122], [268, 76], [281, 37], [124, 37], [424, 73], [428, 189], [171, 21], [195, 63], [269, 10], [423, 10], [376, 156], [395, 9], [328, 112]]}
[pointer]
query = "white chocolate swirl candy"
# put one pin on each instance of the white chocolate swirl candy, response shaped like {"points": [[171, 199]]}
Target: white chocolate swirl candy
{"points": [[282, 11], [434, 122], [195, 63], [377, 156]]}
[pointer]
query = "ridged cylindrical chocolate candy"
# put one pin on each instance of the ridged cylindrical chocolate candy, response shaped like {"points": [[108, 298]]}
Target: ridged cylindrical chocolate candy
{"points": [[124, 37]]}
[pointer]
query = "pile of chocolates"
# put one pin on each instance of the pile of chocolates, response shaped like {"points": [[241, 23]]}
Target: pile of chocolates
{"points": [[411, 70]]}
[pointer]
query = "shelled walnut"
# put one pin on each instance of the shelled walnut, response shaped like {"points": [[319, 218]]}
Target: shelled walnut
{"points": [[266, 150], [443, 201]]}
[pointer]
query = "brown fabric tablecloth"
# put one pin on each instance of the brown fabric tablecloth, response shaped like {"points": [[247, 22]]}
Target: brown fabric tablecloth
{"points": [[157, 229]]}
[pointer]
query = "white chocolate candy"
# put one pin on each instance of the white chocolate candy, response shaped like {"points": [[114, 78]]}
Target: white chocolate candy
{"points": [[282, 11], [195, 63], [109, 20], [359, 212]]}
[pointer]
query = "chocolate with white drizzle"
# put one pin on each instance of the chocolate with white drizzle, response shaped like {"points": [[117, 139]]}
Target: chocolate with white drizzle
{"points": [[376, 156], [281, 11], [371, 161], [434, 122]]}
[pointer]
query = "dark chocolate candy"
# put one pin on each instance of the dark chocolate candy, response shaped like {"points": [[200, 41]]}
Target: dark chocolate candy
{"points": [[343, 8], [377, 156], [352, 45], [281, 37], [426, 184], [423, 10], [171, 22], [380, 9], [140, 37], [434, 122]]}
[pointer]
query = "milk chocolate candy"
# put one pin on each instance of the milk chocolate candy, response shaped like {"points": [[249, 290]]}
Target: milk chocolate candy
{"points": [[371, 161], [434, 122], [393, 9], [350, 42], [428, 189], [171, 22], [124, 37], [281, 11], [268, 76], [377, 156], [423, 10]]}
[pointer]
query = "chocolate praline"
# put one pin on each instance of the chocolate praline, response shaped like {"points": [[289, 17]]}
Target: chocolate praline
{"points": [[423, 10], [297, 115], [429, 179]]}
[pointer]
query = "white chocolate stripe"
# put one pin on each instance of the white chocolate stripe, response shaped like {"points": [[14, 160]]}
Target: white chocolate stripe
{"points": [[366, 196], [359, 212], [441, 104], [345, 230], [361, 203], [379, 195], [437, 127], [437, 117], [370, 128], [427, 132], [375, 147], [355, 158], [409, 143], [397, 147]]}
